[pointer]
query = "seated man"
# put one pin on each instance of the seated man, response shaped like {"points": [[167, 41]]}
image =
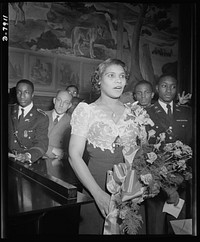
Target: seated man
{"points": [[27, 126], [59, 125]]}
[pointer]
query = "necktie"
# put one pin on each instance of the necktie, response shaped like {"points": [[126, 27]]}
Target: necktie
{"points": [[169, 111], [56, 120], [21, 116]]}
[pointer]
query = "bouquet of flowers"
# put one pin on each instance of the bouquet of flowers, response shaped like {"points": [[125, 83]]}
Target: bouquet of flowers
{"points": [[152, 168], [163, 165]]}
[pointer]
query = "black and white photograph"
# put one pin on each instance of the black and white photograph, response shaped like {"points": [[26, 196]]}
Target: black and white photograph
{"points": [[102, 130]]}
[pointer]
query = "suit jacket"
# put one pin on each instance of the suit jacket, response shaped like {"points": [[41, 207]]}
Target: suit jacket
{"points": [[29, 136], [58, 134], [177, 128]]}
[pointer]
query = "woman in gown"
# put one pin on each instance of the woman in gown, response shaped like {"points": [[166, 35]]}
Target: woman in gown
{"points": [[96, 126]]}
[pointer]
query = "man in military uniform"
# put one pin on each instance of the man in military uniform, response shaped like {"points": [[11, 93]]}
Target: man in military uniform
{"points": [[176, 121], [143, 93], [178, 124], [27, 126]]}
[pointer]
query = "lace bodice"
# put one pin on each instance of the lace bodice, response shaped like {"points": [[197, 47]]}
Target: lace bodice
{"points": [[91, 122]]}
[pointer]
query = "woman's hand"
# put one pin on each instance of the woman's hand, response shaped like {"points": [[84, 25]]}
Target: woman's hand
{"points": [[102, 200], [184, 98]]}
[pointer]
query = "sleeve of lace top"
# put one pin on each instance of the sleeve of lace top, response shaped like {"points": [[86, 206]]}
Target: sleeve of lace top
{"points": [[80, 119]]}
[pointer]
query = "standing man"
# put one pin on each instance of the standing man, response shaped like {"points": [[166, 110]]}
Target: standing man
{"points": [[143, 93], [27, 126], [73, 90], [176, 121], [59, 125]]}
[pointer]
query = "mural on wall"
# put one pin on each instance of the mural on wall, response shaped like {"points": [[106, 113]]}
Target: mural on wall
{"points": [[90, 30]]}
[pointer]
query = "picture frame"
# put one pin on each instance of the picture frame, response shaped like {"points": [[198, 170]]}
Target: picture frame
{"points": [[67, 72], [41, 72]]}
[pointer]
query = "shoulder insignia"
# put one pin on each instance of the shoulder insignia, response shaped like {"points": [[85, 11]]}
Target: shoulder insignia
{"points": [[182, 105], [41, 111], [12, 104], [150, 106]]}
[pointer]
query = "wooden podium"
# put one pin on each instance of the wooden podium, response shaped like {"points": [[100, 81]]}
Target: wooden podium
{"points": [[41, 204]]}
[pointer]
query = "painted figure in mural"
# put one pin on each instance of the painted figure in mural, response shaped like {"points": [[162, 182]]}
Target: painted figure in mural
{"points": [[27, 126], [41, 72], [177, 125], [97, 126], [59, 125], [67, 75], [83, 34], [19, 11]]}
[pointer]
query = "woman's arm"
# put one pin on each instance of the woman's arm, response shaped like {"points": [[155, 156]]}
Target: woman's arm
{"points": [[76, 149]]}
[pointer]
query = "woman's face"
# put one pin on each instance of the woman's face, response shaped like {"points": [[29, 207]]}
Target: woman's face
{"points": [[113, 81]]}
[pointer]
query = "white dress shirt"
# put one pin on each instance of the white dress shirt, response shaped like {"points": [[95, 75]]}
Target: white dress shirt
{"points": [[164, 105], [26, 109], [54, 115]]}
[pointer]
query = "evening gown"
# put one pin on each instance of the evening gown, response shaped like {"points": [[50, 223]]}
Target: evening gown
{"points": [[91, 122]]}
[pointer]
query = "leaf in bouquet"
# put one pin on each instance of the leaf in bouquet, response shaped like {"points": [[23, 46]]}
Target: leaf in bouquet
{"points": [[128, 117], [152, 189], [176, 178], [147, 148], [166, 156], [187, 175], [118, 200], [139, 164], [139, 153], [132, 221]]}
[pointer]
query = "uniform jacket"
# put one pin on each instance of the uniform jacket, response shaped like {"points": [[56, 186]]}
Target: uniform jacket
{"points": [[29, 136], [178, 128], [58, 134]]}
